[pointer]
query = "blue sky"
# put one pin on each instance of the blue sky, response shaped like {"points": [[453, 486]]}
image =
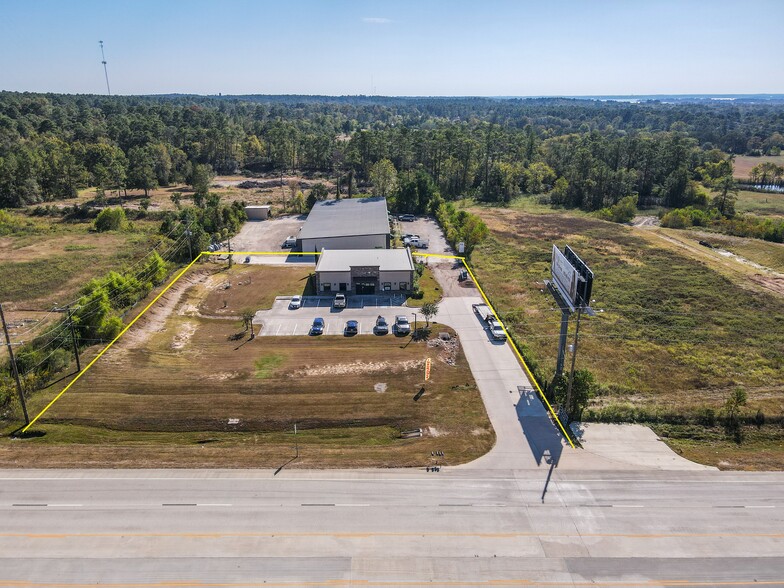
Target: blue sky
{"points": [[480, 47]]}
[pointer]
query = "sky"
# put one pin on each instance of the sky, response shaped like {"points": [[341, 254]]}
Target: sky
{"points": [[394, 48]]}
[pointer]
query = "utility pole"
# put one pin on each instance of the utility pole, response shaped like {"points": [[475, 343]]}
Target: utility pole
{"points": [[296, 443], [73, 339], [14, 371], [231, 257], [574, 357]]}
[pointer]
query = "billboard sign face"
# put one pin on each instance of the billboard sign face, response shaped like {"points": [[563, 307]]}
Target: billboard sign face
{"points": [[565, 276]]}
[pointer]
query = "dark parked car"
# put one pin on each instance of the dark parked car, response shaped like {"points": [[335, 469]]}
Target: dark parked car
{"points": [[352, 328], [407, 217], [382, 327], [317, 328]]}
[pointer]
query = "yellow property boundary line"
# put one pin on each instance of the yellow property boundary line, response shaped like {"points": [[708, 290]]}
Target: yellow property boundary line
{"points": [[528, 372]]}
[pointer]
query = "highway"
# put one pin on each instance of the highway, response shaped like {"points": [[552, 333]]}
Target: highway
{"points": [[459, 527]]}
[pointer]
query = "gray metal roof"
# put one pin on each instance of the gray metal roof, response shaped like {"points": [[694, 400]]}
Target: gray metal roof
{"points": [[346, 217], [341, 260]]}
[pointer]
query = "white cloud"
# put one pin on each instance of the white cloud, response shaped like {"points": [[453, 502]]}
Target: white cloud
{"points": [[376, 20]]}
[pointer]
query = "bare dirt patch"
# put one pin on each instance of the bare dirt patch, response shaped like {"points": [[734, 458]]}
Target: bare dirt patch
{"points": [[360, 367]]}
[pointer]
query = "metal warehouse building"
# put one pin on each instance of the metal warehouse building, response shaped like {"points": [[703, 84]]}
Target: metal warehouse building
{"points": [[365, 271], [356, 223]]}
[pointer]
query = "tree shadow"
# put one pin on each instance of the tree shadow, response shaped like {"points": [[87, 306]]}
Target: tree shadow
{"points": [[544, 438]]}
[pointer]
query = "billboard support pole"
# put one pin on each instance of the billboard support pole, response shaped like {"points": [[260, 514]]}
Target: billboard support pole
{"points": [[565, 314], [571, 373]]}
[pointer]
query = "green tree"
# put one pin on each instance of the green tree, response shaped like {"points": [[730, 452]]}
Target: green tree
{"points": [[727, 192], [318, 192], [201, 180], [539, 178], [429, 310], [622, 212], [176, 199], [383, 176], [298, 203], [141, 170], [111, 219]]}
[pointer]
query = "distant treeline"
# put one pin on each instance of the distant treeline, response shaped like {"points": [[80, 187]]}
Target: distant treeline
{"points": [[587, 153]]}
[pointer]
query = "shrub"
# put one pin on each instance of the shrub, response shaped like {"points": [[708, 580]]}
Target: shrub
{"points": [[622, 212], [111, 219]]}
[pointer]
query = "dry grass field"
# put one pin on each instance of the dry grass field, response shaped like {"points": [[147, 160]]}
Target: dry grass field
{"points": [[186, 390], [275, 192], [744, 163], [675, 337]]}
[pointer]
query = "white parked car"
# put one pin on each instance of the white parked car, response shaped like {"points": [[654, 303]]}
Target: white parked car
{"points": [[296, 302]]}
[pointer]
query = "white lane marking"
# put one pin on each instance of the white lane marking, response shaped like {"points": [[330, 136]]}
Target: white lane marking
{"points": [[759, 506]]}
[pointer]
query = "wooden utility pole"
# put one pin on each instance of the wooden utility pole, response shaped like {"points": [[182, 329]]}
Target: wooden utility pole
{"points": [[73, 339], [14, 371]]}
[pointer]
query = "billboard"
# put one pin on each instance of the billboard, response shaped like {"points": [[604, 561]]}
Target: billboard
{"points": [[565, 276], [585, 282]]}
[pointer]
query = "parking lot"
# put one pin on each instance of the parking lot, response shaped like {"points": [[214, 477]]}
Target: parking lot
{"points": [[428, 230], [281, 320], [267, 235]]}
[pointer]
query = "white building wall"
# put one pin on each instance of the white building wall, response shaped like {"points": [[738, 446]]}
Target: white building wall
{"points": [[347, 242]]}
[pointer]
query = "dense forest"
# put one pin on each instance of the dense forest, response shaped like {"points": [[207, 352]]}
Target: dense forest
{"points": [[583, 153]]}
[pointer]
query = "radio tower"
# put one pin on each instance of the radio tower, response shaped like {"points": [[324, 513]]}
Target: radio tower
{"points": [[105, 72]]}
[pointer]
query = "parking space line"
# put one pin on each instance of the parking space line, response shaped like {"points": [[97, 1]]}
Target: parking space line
{"points": [[295, 329], [278, 331]]}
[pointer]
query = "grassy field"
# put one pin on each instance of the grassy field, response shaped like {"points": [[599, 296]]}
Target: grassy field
{"points": [[766, 253], [761, 203], [675, 337], [169, 394], [49, 261], [744, 163]]}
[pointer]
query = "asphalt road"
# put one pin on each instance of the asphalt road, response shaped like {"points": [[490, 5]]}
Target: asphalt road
{"points": [[390, 528]]}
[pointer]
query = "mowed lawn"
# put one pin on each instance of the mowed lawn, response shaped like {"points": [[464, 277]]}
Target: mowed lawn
{"points": [[198, 392], [675, 337], [255, 287]]}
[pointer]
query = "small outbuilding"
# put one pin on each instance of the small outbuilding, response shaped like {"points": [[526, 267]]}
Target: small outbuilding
{"points": [[258, 212], [350, 223], [365, 271]]}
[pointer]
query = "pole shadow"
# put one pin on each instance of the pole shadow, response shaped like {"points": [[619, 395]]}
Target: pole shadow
{"points": [[544, 438]]}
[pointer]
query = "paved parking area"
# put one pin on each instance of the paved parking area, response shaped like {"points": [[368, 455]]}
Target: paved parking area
{"points": [[427, 229], [267, 235], [281, 320]]}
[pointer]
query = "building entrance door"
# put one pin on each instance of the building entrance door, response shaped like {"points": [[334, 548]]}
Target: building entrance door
{"points": [[366, 286]]}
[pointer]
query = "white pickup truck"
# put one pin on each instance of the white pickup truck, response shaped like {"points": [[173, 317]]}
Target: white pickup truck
{"points": [[492, 322]]}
